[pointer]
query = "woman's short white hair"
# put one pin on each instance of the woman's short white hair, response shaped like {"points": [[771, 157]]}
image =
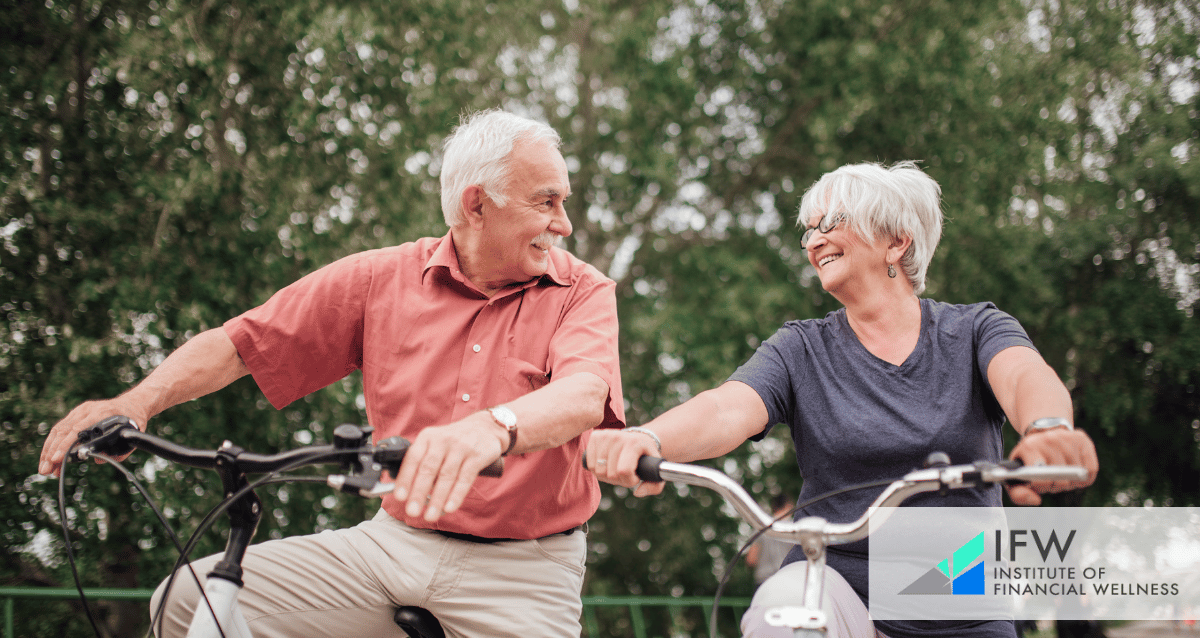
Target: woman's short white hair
{"points": [[884, 202], [477, 154]]}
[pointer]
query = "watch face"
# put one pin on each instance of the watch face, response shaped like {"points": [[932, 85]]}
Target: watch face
{"points": [[504, 416]]}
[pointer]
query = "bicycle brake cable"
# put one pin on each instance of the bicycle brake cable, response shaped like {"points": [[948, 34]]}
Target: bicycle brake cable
{"points": [[162, 519], [211, 518], [728, 572], [62, 519]]}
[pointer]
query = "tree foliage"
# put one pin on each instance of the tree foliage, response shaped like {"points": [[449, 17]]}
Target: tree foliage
{"points": [[167, 165]]}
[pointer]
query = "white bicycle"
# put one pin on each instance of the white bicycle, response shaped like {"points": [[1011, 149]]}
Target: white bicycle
{"points": [[813, 534], [217, 614]]}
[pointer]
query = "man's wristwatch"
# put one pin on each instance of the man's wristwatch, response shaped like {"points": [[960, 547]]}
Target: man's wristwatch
{"points": [[505, 418], [1047, 423]]}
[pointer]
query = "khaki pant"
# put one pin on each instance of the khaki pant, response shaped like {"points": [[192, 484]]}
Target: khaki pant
{"points": [[348, 582], [845, 614]]}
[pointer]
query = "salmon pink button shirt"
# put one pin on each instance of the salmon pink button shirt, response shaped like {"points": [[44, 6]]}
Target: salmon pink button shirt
{"points": [[433, 349]]}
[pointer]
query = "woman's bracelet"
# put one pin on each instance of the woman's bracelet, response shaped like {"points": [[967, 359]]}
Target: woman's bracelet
{"points": [[652, 435]]}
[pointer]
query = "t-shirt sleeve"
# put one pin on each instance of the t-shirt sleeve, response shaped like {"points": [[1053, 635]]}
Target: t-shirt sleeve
{"points": [[586, 341], [996, 330], [306, 335], [768, 374]]}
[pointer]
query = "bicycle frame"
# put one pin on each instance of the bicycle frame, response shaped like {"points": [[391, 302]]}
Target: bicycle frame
{"points": [[228, 621], [813, 534], [217, 613]]}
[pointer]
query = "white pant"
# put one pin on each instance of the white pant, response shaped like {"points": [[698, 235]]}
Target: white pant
{"points": [[348, 582], [845, 614]]}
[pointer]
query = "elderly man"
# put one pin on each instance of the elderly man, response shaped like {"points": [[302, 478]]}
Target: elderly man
{"points": [[486, 342]]}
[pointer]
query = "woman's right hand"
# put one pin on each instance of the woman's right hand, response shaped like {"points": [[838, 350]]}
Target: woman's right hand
{"points": [[612, 455]]}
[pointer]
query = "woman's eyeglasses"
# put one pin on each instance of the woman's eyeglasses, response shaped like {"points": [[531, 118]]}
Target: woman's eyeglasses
{"points": [[827, 223]]}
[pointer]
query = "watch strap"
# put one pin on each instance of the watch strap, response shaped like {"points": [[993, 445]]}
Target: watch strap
{"points": [[1047, 423], [512, 440], [505, 418]]}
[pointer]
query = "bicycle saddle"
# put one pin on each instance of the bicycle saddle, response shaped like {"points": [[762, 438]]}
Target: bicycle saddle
{"points": [[417, 622]]}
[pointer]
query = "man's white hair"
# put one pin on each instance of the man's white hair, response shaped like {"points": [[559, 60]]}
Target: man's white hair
{"points": [[477, 154], [887, 202]]}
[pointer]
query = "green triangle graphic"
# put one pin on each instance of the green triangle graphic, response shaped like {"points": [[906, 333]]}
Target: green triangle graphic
{"points": [[965, 555], [940, 580]]}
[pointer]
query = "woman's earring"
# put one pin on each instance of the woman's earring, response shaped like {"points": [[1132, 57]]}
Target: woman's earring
{"points": [[891, 271]]}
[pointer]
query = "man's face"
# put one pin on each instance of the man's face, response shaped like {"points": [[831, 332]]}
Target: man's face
{"points": [[517, 236]]}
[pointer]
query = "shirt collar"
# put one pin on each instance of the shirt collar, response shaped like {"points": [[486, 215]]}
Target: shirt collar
{"points": [[446, 256]]}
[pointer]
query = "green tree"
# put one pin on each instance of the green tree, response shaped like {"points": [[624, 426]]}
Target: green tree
{"points": [[1067, 165], [168, 165]]}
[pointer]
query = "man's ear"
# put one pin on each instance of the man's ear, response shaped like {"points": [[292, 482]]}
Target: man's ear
{"points": [[472, 204]]}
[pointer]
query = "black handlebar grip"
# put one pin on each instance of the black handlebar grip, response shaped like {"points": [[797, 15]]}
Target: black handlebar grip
{"points": [[390, 453], [647, 469], [495, 470]]}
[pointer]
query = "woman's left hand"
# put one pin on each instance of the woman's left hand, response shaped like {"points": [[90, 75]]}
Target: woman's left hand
{"points": [[1053, 447]]}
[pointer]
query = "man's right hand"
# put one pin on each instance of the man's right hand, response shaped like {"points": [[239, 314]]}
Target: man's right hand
{"points": [[64, 433], [444, 461]]}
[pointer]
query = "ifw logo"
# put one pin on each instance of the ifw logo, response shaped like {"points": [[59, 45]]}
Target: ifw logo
{"points": [[961, 574]]}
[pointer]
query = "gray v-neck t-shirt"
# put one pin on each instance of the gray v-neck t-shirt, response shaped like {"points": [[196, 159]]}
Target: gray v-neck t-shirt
{"points": [[855, 418]]}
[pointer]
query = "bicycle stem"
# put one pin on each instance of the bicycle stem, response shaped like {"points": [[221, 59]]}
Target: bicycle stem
{"points": [[244, 514]]}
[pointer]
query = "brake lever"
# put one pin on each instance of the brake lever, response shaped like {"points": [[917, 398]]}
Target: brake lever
{"points": [[388, 454], [375, 491], [358, 485], [104, 438], [1022, 474], [346, 484]]}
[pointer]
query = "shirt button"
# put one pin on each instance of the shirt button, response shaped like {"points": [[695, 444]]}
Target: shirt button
{"points": [[476, 348], [466, 397]]}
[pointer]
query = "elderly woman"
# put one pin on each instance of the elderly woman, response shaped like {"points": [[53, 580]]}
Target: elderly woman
{"points": [[870, 389]]}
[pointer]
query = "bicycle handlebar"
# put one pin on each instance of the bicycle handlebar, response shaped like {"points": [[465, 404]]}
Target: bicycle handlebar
{"points": [[118, 436], [931, 479], [362, 462]]}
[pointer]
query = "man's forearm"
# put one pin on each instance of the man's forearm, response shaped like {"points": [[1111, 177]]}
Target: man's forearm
{"points": [[206, 363], [559, 411]]}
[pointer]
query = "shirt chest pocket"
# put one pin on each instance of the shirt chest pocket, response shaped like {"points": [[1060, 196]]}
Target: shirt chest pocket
{"points": [[519, 377], [526, 363]]}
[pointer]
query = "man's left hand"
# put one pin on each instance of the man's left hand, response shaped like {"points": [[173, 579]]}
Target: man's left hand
{"points": [[1053, 447], [443, 462]]}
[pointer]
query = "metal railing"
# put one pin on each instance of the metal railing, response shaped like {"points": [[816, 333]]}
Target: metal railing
{"points": [[635, 604]]}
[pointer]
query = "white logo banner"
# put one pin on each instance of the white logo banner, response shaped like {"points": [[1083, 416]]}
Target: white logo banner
{"points": [[1098, 563]]}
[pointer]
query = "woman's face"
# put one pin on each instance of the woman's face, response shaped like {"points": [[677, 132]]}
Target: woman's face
{"points": [[840, 256]]}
